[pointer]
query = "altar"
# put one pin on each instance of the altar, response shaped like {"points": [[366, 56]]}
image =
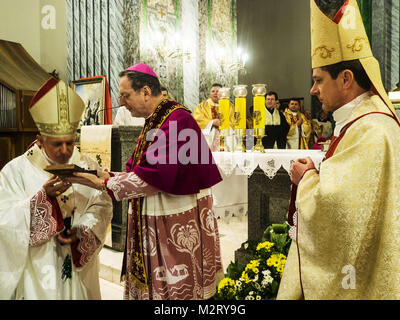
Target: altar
{"points": [[257, 183]]}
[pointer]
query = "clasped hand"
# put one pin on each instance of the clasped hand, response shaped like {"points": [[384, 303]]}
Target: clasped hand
{"points": [[69, 237], [299, 167]]}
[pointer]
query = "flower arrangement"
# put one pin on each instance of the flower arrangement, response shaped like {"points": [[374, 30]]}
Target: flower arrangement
{"points": [[260, 278]]}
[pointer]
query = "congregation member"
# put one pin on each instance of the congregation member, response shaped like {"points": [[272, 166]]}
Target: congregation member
{"points": [[51, 231], [172, 245], [300, 129], [276, 126], [325, 124], [207, 116], [345, 216]]}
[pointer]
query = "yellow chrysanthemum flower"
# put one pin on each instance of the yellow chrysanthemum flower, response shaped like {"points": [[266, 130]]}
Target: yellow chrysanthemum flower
{"points": [[226, 282], [265, 245]]}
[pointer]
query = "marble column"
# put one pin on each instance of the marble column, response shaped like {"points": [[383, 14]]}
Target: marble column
{"points": [[190, 44], [95, 41], [385, 40]]}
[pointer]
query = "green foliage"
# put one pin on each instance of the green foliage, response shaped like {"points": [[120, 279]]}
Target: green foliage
{"points": [[260, 278], [278, 234], [67, 268]]}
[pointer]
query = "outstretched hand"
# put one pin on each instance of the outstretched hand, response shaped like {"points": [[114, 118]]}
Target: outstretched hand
{"points": [[86, 179]]}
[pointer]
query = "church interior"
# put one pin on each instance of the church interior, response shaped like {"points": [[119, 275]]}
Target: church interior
{"points": [[190, 45]]}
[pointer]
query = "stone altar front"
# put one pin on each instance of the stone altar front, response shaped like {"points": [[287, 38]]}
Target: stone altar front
{"points": [[265, 175]]}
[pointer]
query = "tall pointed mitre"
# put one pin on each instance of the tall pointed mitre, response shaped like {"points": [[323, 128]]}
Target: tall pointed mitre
{"points": [[56, 109], [342, 39]]}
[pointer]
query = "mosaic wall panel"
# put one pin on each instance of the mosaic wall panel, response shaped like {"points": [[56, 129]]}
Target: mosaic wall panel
{"points": [[221, 44], [95, 41], [160, 42], [190, 44], [385, 40]]}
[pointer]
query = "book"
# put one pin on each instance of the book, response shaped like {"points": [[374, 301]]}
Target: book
{"points": [[67, 170]]}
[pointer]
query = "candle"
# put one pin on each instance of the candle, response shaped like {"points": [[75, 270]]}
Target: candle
{"points": [[223, 114]]}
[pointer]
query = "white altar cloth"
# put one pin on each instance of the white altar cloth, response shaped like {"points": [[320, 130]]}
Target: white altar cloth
{"points": [[230, 195]]}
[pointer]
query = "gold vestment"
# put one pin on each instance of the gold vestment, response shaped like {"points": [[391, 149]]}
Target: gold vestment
{"points": [[302, 135], [203, 113], [348, 228]]}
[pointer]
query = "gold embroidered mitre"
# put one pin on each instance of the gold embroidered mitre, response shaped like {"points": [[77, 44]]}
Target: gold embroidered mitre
{"points": [[56, 109], [343, 38]]}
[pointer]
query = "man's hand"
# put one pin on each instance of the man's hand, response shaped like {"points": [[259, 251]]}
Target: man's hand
{"points": [[299, 167], [86, 179], [299, 122], [103, 174], [55, 186], [69, 238], [216, 123]]}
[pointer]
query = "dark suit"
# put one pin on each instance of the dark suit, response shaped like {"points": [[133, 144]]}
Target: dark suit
{"points": [[275, 133]]}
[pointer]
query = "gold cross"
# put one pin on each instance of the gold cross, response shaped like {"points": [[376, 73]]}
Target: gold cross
{"points": [[162, 13]]}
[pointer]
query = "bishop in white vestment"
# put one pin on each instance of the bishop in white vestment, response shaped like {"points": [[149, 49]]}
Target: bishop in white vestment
{"points": [[37, 261]]}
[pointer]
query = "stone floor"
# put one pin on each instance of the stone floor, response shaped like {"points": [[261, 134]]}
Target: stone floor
{"points": [[233, 232]]}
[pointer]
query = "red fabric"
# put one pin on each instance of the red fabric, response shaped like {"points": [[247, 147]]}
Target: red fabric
{"points": [[340, 13], [292, 204], [107, 100], [56, 213], [52, 82], [76, 255], [85, 247], [110, 193]]}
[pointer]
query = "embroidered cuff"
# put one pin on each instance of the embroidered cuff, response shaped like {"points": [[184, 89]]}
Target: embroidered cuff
{"points": [[46, 218]]}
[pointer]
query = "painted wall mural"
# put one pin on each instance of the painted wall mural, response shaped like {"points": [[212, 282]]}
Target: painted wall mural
{"points": [[190, 44]]}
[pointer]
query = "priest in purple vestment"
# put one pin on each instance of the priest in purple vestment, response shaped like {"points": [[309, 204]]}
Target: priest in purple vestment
{"points": [[172, 244]]}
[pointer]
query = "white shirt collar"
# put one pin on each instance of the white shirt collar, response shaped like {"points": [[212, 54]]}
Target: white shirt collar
{"points": [[343, 114]]}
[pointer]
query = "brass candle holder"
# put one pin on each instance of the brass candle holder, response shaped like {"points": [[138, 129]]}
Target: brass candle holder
{"points": [[259, 91]]}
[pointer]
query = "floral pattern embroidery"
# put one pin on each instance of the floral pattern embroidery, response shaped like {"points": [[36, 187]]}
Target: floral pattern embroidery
{"points": [[43, 225]]}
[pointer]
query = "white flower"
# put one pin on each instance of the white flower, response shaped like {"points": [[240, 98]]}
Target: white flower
{"points": [[258, 298], [251, 293], [256, 278], [249, 298], [264, 283], [266, 273], [269, 279]]}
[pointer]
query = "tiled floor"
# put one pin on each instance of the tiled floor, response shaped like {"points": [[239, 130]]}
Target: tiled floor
{"points": [[233, 233]]}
